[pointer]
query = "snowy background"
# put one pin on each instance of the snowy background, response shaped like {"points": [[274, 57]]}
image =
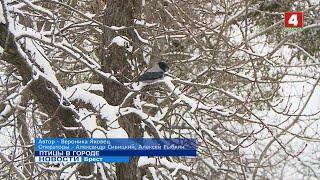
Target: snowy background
{"points": [[239, 82]]}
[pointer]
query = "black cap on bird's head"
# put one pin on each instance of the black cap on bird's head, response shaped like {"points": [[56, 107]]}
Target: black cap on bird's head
{"points": [[163, 66]]}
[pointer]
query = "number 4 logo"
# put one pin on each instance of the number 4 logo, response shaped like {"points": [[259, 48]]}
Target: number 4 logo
{"points": [[293, 19]]}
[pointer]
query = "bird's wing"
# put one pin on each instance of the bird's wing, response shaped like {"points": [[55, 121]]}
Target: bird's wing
{"points": [[151, 76]]}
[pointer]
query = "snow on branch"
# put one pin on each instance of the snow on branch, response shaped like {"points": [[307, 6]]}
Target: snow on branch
{"points": [[122, 41], [22, 33], [193, 103], [16, 169], [164, 162], [107, 111], [2, 19]]}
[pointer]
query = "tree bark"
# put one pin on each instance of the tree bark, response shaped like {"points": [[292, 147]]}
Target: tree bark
{"points": [[43, 92], [115, 59]]}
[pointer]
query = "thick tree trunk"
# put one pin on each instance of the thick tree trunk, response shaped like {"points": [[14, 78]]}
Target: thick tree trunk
{"points": [[116, 59], [42, 91]]}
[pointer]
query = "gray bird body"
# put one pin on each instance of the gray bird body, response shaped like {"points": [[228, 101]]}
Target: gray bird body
{"points": [[154, 73]]}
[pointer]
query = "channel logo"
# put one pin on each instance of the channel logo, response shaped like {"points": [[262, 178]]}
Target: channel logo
{"points": [[293, 19]]}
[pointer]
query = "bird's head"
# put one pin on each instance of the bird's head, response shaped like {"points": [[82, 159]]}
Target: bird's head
{"points": [[163, 66]]}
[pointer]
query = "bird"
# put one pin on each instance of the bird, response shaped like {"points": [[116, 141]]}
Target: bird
{"points": [[154, 73]]}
